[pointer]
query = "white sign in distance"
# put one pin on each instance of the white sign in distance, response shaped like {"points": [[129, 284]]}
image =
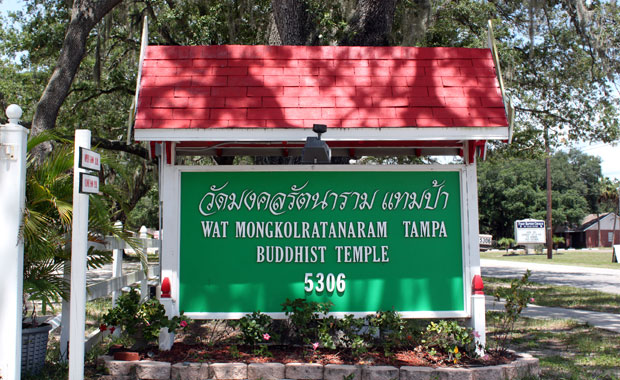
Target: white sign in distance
{"points": [[89, 184], [485, 241], [530, 231], [89, 160]]}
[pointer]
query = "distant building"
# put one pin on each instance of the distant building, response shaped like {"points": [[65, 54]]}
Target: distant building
{"points": [[587, 234]]}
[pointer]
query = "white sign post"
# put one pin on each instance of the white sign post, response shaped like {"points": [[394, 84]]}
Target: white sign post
{"points": [[12, 203], [79, 247], [530, 232]]}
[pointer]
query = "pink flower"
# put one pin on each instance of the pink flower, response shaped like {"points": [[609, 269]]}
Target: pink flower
{"points": [[266, 336], [532, 300], [476, 334], [315, 346], [183, 324], [486, 357]]}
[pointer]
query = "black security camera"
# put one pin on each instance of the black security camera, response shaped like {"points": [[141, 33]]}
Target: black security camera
{"points": [[316, 151]]}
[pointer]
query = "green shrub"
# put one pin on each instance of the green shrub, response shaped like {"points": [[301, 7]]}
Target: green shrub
{"points": [[506, 243], [305, 320], [516, 298], [327, 330], [140, 321], [254, 328], [386, 329], [448, 337]]}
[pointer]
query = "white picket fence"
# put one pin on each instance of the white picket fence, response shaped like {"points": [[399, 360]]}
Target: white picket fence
{"points": [[112, 286]]}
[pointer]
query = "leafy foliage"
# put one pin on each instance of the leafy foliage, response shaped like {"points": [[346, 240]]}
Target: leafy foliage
{"points": [[352, 329], [514, 188], [254, 328], [47, 223], [450, 338], [384, 330], [506, 243], [305, 319], [141, 320]]}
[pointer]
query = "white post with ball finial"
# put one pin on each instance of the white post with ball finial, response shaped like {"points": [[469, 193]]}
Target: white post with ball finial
{"points": [[12, 203]]}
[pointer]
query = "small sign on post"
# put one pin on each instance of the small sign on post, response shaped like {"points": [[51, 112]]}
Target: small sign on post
{"points": [[89, 184], [89, 160]]}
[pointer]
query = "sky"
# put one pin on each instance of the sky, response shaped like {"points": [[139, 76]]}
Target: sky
{"points": [[609, 154], [10, 5]]}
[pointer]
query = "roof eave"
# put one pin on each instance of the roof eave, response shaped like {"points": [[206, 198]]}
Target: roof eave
{"points": [[333, 134]]}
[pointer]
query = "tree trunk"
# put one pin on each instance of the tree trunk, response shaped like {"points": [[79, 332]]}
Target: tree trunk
{"points": [[371, 23], [414, 22], [85, 14], [291, 24]]}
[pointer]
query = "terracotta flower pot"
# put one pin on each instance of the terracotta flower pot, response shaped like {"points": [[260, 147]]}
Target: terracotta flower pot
{"points": [[127, 356]]}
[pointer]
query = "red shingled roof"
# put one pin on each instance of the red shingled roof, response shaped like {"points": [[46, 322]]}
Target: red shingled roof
{"points": [[206, 87]]}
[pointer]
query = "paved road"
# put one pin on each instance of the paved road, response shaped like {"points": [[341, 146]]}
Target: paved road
{"points": [[604, 280]]}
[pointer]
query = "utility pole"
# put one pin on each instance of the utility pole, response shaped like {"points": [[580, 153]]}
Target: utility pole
{"points": [[549, 211]]}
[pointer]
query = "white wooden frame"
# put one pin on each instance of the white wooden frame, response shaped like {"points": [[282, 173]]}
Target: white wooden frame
{"points": [[170, 256]]}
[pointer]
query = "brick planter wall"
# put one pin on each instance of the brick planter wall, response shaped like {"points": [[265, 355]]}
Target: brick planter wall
{"points": [[526, 365]]}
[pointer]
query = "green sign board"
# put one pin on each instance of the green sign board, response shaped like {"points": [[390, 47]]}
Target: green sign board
{"points": [[364, 240]]}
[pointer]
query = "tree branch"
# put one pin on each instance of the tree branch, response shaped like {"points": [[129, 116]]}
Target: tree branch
{"points": [[119, 146], [165, 32], [102, 92], [545, 112]]}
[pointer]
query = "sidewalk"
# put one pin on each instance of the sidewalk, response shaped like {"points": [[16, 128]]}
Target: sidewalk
{"points": [[605, 321]]}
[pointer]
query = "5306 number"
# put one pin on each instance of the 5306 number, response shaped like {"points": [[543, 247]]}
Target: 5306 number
{"points": [[329, 282]]}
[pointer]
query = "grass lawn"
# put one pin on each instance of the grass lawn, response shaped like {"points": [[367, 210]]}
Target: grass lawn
{"points": [[563, 296], [596, 258], [567, 350]]}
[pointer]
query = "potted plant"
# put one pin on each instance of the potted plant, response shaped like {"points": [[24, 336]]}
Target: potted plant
{"points": [[140, 321]]}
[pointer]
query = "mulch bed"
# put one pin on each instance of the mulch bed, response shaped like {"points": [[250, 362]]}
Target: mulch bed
{"points": [[182, 352]]}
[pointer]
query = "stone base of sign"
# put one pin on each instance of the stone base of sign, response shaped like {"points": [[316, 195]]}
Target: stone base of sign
{"points": [[153, 370], [525, 365]]}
